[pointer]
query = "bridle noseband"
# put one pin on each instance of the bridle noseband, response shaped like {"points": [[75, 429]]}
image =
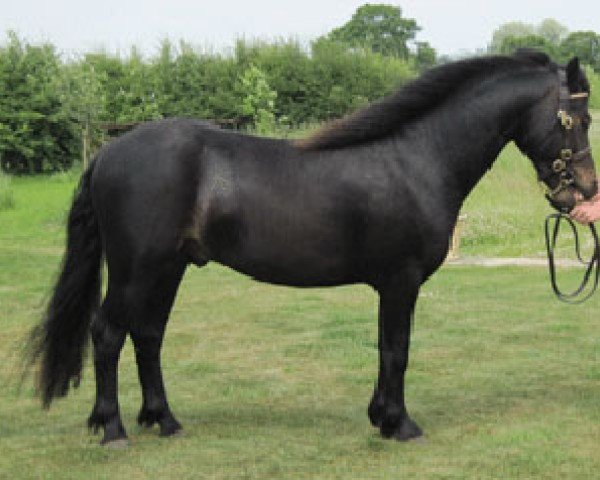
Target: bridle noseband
{"points": [[564, 165]]}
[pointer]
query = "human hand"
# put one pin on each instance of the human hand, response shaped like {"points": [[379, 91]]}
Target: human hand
{"points": [[588, 211]]}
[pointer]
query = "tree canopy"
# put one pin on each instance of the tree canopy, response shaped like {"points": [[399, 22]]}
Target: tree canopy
{"points": [[550, 37], [379, 27], [550, 31], [585, 45], [382, 29]]}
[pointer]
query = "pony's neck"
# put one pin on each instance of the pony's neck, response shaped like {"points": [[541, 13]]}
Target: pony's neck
{"points": [[473, 127]]}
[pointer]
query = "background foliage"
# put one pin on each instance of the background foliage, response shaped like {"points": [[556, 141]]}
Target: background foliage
{"points": [[34, 126], [551, 37], [53, 108]]}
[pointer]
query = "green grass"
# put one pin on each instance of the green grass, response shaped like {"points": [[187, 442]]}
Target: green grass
{"points": [[272, 382]]}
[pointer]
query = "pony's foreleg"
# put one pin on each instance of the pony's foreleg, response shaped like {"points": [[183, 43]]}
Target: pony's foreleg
{"points": [[387, 409], [155, 296]]}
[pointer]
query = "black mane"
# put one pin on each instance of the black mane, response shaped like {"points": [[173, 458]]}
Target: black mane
{"points": [[415, 99]]}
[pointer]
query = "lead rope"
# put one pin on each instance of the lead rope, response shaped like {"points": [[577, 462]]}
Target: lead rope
{"points": [[594, 263]]}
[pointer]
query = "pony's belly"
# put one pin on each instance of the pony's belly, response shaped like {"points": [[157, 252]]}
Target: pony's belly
{"points": [[291, 264], [293, 277]]}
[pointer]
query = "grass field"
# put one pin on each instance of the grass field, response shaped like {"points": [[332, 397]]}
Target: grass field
{"points": [[271, 382]]}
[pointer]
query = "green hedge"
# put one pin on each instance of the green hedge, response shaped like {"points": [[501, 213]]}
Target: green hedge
{"points": [[46, 103]]}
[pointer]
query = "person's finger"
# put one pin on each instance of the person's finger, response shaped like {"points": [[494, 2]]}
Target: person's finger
{"points": [[576, 212], [579, 216]]}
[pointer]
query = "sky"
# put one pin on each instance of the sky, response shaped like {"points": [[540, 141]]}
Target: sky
{"points": [[452, 27]]}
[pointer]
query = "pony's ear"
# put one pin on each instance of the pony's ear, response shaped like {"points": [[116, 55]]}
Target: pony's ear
{"points": [[573, 74]]}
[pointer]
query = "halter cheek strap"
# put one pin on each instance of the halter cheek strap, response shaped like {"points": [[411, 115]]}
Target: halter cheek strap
{"points": [[563, 166]]}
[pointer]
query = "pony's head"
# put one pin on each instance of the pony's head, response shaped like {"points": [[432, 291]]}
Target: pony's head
{"points": [[554, 134]]}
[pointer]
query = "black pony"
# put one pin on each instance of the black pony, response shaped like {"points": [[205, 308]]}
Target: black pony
{"points": [[371, 198]]}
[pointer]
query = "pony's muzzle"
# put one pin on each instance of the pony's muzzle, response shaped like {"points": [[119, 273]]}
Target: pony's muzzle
{"points": [[588, 188], [584, 174]]}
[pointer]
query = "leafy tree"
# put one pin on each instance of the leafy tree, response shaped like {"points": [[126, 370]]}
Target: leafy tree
{"points": [[288, 70], [110, 72], [178, 81], [342, 80], [510, 29], [425, 56], [49, 110], [328, 82], [216, 92], [84, 100], [258, 100], [163, 79], [585, 45], [192, 84], [34, 131], [553, 31], [546, 36], [379, 27], [511, 44], [136, 98]]}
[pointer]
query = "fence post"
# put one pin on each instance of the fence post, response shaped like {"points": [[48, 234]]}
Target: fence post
{"points": [[454, 251]]}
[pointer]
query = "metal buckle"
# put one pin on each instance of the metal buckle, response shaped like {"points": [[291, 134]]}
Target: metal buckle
{"points": [[567, 176], [565, 182], [565, 119], [559, 165]]}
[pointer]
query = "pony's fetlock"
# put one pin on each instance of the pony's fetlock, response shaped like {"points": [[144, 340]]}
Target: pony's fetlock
{"points": [[109, 420], [167, 422]]}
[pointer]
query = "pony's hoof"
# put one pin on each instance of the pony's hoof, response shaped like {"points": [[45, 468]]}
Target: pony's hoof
{"points": [[401, 429], [405, 431], [171, 431], [170, 427], [117, 444]]}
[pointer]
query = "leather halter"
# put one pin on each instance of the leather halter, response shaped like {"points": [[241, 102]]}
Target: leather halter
{"points": [[564, 165]]}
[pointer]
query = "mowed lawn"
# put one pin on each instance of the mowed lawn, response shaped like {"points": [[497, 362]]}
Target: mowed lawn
{"points": [[271, 382]]}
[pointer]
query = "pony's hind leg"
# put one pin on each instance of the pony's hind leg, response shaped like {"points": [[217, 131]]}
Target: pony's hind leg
{"points": [[154, 292], [108, 335], [137, 302]]}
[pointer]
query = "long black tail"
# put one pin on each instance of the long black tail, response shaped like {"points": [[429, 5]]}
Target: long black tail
{"points": [[60, 340]]}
